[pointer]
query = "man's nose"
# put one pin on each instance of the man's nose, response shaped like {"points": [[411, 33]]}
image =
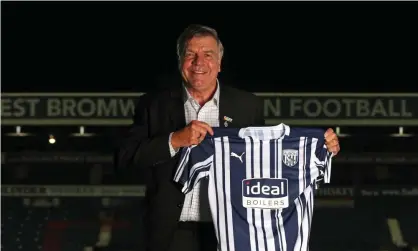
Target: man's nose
{"points": [[198, 60]]}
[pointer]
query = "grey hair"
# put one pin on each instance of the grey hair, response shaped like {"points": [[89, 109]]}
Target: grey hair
{"points": [[196, 30]]}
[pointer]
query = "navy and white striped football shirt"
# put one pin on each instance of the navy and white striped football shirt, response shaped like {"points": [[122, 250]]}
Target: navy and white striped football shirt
{"points": [[261, 184]]}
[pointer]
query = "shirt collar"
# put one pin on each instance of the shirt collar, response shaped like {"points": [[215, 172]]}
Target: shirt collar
{"points": [[266, 132], [215, 98]]}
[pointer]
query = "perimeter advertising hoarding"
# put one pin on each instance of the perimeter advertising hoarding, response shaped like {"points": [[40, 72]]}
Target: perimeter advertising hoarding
{"points": [[326, 191], [108, 158], [319, 109], [377, 198]]}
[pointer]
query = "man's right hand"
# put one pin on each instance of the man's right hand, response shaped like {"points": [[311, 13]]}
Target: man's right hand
{"points": [[192, 134]]}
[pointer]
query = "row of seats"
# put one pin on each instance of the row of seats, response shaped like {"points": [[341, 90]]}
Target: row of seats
{"points": [[69, 224]]}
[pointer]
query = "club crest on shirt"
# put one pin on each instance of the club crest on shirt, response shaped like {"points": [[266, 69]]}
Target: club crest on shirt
{"points": [[290, 157]]}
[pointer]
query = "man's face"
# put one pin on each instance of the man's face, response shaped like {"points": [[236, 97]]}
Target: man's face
{"points": [[201, 63]]}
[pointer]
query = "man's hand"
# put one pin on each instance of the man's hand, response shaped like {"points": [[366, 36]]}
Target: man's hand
{"points": [[192, 134], [331, 141]]}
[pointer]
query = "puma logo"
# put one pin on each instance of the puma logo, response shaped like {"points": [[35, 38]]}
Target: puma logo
{"points": [[237, 156]]}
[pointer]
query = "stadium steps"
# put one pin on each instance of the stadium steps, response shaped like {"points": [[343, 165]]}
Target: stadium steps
{"points": [[22, 229], [409, 225]]}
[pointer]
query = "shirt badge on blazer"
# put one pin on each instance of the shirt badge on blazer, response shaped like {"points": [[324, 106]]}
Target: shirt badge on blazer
{"points": [[226, 120]]}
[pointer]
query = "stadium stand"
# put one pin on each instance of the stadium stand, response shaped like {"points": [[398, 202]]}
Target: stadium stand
{"points": [[68, 196], [70, 217]]}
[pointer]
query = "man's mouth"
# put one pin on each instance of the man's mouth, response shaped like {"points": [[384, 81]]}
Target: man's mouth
{"points": [[198, 72]]}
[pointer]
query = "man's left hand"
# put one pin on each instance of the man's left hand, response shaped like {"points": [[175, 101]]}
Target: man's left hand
{"points": [[331, 141]]}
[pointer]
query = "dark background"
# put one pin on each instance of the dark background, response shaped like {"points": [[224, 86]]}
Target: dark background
{"points": [[269, 47]]}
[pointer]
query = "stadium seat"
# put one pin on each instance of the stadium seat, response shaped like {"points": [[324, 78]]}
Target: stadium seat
{"points": [[73, 224]]}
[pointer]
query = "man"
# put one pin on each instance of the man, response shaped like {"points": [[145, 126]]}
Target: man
{"points": [[167, 121]]}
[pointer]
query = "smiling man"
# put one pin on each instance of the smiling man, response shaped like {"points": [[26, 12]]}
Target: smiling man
{"points": [[200, 64], [180, 117]]}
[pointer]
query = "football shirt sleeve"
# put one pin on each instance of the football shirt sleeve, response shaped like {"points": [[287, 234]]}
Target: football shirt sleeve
{"points": [[194, 165], [323, 161], [322, 158]]}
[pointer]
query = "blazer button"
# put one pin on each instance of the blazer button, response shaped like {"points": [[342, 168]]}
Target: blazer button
{"points": [[180, 205]]}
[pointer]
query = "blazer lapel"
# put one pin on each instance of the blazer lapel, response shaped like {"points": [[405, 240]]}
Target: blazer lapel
{"points": [[176, 114], [225, 107]]}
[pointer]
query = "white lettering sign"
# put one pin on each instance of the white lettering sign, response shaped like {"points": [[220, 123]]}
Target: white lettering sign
{"points": [[334, 107], [67, 107], [87, 107], [272, 108], [20, 107]]}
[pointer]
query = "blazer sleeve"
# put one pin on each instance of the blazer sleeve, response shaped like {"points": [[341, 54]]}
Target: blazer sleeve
{"points": [[138, 148], [259, 112]]}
